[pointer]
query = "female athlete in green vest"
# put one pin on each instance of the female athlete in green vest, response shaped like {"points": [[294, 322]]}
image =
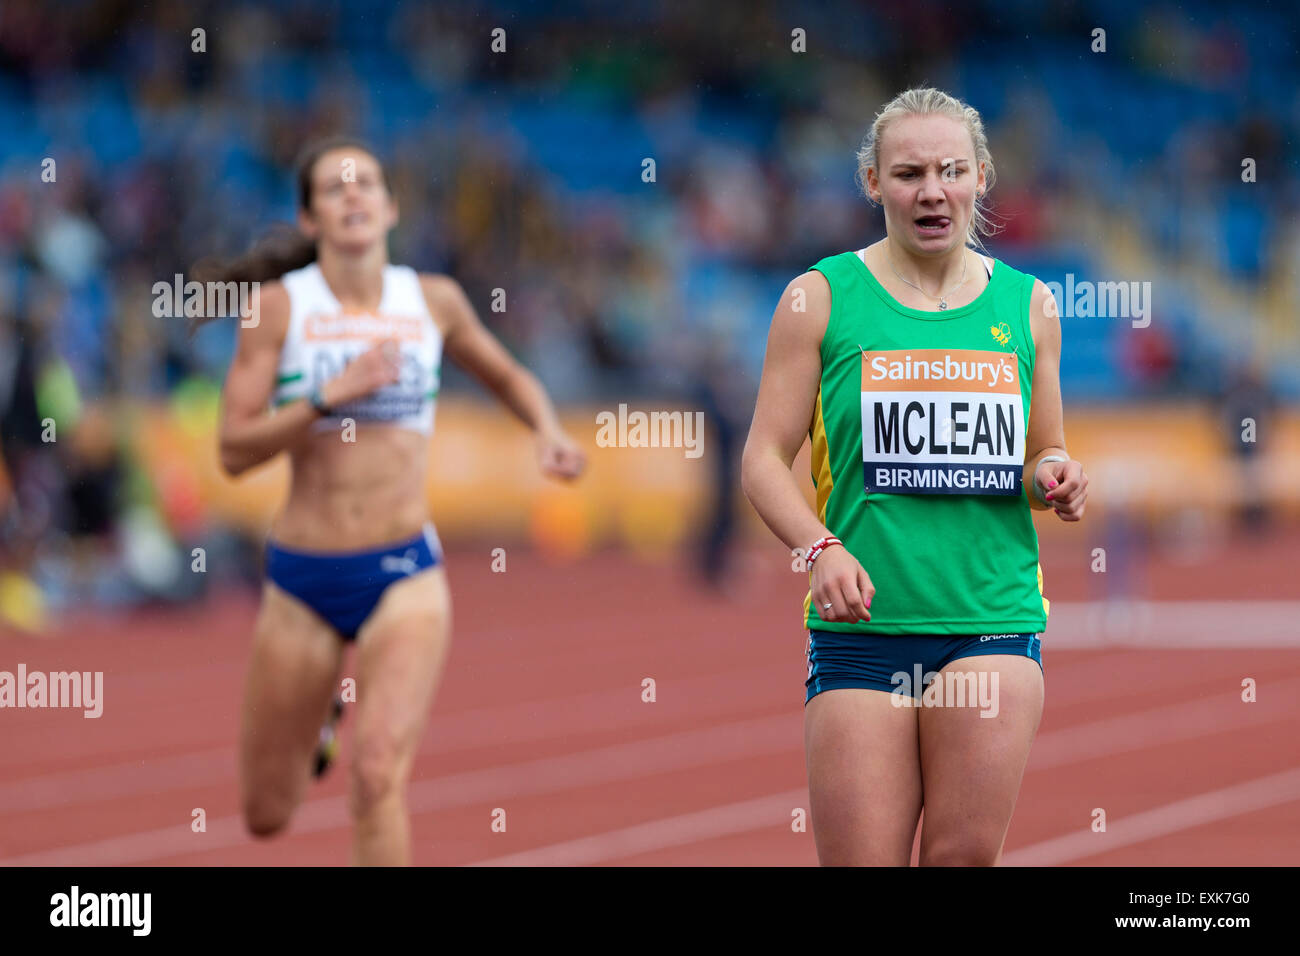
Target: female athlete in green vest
{"points": [[913, 365]]}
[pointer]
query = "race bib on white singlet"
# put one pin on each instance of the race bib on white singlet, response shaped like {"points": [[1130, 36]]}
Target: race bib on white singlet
{"points": [[942, 422], [331, 342]]}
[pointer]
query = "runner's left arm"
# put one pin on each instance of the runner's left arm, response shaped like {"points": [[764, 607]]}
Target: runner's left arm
{"points": [[474, 348], [1065, 481]]}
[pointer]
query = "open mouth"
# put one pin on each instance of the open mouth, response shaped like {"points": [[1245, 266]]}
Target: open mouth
{"points": [[354, 218], [935, 225]]}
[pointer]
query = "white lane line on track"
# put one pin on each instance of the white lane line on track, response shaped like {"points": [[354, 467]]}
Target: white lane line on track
{"points": [[644, 758], [1169, 625], [1258, 794], [1206, 625], [1100, 738], [774, 811], [96, 784], [1186, 720], [511, 723], [613, 764], [762, 812]]}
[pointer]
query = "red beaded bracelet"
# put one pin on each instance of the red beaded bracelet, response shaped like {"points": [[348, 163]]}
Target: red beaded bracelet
{"points": [[818, 546]]}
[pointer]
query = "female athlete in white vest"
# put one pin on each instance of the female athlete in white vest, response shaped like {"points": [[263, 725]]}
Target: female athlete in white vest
{"points": [[341, 370]]}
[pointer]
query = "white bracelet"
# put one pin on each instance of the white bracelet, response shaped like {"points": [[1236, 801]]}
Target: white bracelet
{"points": [[1038, 489]]}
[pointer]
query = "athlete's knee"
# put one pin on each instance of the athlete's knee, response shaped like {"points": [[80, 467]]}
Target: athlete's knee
{"points": [[265, 818], [376, 773], [961, 851]]}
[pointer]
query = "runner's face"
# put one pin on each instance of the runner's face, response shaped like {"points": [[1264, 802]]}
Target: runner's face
{"points": [[350, 206], [927, 183]]}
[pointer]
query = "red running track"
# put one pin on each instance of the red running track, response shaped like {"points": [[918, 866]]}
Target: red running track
{"points": [[541, 715]]}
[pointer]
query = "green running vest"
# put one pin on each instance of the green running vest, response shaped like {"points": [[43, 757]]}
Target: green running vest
{"points": [[918, 448]]}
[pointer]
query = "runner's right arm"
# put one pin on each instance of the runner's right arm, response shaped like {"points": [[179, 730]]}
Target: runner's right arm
{"points": [[251, 432], [787, 394]]}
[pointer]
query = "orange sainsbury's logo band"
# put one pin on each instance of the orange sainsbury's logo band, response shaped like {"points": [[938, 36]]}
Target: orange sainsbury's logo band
{"points": [[946, 370], [322, 327]]}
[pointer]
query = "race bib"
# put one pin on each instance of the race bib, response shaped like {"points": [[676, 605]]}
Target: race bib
{"points": [[942, 422]]}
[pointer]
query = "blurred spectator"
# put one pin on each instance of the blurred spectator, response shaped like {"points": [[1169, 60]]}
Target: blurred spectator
{"points": [[726, 396], [527, 172], [1246, 409]]}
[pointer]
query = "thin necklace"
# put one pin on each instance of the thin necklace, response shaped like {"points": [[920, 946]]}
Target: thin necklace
{"points": [[943, 299]]}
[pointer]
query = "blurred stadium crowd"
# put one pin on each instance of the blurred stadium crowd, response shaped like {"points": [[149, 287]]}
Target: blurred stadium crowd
{"points": [[525, 171]]}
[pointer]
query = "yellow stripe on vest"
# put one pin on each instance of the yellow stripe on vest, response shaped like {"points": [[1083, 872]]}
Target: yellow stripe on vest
{"points": [[821, 460]]}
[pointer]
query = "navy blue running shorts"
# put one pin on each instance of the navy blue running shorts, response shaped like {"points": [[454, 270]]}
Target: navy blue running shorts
{"points": [[899, 663]]}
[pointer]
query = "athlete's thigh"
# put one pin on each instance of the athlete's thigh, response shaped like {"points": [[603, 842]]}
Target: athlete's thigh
{"points": [[864, 777], [973, 757], [292, 676], [401, 650]]}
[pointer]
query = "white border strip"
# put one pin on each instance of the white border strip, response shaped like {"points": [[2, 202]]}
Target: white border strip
{"points": [[1172, 625]]}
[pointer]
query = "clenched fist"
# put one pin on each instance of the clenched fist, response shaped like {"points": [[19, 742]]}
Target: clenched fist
{"points": [[368, 372]]}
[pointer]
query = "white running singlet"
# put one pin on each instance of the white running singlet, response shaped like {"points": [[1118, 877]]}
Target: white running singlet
{"points": [[322, 339]]}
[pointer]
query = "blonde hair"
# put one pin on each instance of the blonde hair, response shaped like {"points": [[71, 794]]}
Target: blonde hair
{"points": [[927, 101]]}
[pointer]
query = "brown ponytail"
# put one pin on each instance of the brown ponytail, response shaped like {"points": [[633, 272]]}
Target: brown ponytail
{"points": [[283, 249]]}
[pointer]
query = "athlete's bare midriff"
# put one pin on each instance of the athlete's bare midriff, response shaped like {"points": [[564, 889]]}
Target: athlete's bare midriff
{"points": [[354, 495]]}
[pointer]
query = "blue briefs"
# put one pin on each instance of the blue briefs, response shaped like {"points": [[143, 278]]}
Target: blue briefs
{"points": [[344, 588]]}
